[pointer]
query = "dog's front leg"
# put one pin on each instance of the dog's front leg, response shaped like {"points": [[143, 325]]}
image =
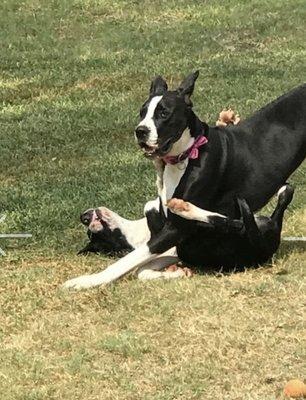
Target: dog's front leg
{"points": [[189, 211], [121, 267], [168, 238]]}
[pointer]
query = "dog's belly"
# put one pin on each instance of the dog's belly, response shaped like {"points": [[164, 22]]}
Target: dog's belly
{"points": [[218, 251]]}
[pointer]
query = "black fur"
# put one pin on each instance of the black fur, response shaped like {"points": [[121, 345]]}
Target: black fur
{"points": [[107, 241], [254, 244], [156, 220], [250, 161]]}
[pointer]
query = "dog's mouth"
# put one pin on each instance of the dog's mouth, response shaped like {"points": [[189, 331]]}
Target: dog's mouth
{"points": [[148, 150], [96, 223], [157, 150]]}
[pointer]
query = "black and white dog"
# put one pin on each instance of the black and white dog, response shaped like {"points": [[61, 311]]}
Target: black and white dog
{"points": [[255, 243], [111, 234], [210, 168]]}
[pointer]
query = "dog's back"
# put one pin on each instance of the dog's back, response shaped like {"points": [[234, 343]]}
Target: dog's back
{"points": [[263, 150]]}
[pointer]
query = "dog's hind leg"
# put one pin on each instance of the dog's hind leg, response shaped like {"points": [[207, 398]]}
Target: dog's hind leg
{"points": [[153, 269], [285, 196], [252, 230]]}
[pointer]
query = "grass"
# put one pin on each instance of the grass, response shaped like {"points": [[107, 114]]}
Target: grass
{"points": [[73, 75]]}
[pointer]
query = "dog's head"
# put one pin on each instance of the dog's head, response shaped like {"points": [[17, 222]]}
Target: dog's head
{"points": [[104, 233], [164, 116], [96, 219]]}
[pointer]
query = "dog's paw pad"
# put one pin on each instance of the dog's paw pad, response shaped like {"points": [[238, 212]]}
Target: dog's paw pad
{"points": [[175, 271], [172, 268], [177, 205]]}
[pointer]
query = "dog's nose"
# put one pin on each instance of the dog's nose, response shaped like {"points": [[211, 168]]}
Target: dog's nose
{"points": [[141, 132], [86, 217]]}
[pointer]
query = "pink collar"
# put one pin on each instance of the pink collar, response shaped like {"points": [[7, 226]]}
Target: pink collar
{"points": [[192, 152]]}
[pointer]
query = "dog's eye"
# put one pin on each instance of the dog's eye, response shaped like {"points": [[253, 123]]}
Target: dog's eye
{"points": [[163, 113]]}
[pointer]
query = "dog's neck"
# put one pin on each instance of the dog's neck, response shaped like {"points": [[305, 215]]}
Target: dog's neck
{"points": [[195, 127], [133, 230], [184, 142]]}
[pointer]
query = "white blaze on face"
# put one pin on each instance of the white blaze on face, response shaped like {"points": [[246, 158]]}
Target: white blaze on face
{"points": [[149, 123]]}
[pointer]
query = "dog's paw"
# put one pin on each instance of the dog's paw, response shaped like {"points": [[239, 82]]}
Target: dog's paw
{"points": [[174, 271], [285, 194], [177, 206], [81, 282], [228, 117]]}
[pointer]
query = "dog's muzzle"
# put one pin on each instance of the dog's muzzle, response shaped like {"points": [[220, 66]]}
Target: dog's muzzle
{"points": [[93, 220], [142, 133], [157, 150]]}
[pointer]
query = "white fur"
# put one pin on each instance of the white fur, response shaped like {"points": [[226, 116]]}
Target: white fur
{"points": [[150, 274], [151, 205], [197, 214], [173, 173], [121, 267], [136, 232], [170, 177], [133, 260], [152, 269], [281, 190], [184, 142], [149, 123]]}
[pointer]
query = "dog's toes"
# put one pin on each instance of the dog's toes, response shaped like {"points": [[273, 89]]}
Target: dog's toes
{"points": [[221, 123], [174, 271], [177, 205], [81, 282], [172, 268], [188, 272]]}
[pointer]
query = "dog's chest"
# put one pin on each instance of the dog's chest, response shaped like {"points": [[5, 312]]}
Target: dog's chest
{"points": [[171, 178]]}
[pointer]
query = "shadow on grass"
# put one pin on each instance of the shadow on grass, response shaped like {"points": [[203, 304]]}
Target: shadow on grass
{"points": [[288, 247]]}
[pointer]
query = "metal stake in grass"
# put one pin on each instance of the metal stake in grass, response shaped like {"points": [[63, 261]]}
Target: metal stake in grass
{"points": [[11, 235]]}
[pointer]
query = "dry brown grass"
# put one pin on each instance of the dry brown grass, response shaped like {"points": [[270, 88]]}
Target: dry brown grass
{"points": [[237, 336]]}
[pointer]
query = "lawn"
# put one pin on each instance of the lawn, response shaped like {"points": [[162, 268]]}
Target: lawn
{"points": [[73, 76]]}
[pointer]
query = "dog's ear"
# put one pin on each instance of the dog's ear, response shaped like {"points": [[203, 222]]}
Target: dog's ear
{"points": [[187, 86], [158, 86]]}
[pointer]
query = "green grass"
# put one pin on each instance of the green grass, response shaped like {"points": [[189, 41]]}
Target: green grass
{"points": [[73, 76]]}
